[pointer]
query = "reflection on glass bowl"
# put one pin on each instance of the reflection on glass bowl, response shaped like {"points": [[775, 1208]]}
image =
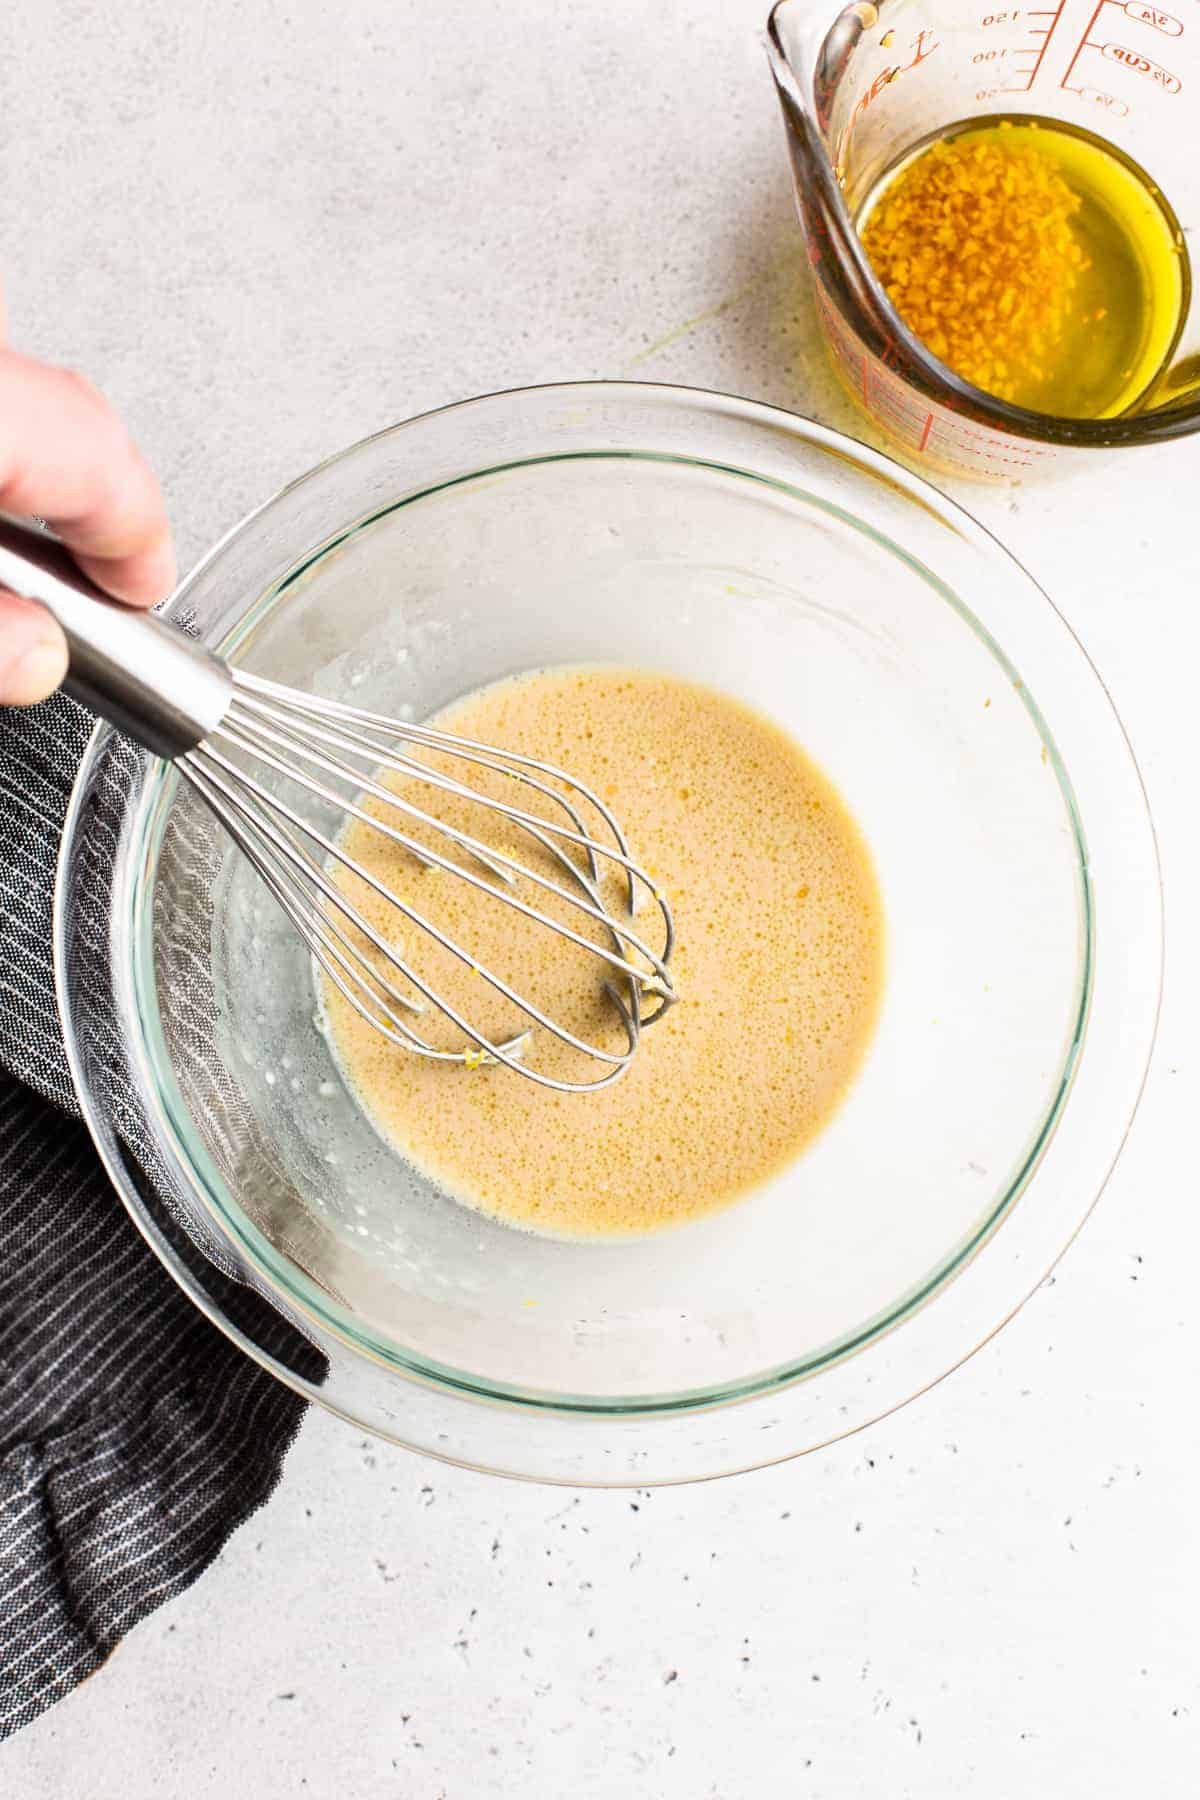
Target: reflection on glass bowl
{"points": [[931, 681]]}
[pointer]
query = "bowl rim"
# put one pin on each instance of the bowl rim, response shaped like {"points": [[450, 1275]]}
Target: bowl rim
{"points": [[294, 1287], [912, 488]]}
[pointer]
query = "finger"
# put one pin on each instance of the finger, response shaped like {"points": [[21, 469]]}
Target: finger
{"points": [[66, 457], [33, 652]]}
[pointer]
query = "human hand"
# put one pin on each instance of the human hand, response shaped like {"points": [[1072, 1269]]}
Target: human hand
{"points": [[65, 457]]}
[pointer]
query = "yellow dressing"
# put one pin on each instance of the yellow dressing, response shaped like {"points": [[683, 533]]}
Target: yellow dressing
{"points": [[1034, 261], [779, 965]]}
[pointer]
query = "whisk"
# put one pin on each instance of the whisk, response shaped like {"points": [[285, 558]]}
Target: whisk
{"points": [[246, 745]]}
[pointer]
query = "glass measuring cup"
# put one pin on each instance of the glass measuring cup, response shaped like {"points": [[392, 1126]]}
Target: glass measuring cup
{"points": [[861, 85]]}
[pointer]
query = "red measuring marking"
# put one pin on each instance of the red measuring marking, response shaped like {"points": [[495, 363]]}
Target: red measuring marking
{"points": [[1082, 45], [1150, 15], [1122, 54], [1045, 32], [889, 401], [1109, 102], [1141, 65]]}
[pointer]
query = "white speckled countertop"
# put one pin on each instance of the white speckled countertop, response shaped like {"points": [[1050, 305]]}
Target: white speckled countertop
{"points": [[267, 229]]}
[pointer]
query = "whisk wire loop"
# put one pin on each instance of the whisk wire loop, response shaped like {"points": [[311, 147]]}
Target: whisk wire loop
{"points": [[336, 755]]}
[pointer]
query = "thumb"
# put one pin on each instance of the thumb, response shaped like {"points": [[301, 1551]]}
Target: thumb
{"points": [[33, 652]]}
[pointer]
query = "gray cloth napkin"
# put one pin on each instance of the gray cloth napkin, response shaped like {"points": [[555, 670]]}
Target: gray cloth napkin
{"points": [[134, 1437]]}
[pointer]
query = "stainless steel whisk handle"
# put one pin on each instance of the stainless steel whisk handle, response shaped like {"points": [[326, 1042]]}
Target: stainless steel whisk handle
{"points": [[140, 673]]}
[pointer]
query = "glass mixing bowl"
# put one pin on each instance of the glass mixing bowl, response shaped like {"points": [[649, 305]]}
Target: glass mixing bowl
{"points": [[927, 674]]}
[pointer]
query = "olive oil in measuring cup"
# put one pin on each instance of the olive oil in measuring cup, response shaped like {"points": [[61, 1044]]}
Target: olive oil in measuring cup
{"points": [[1034, 261]]}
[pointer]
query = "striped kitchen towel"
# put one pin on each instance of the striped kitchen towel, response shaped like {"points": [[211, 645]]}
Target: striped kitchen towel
{"points": [[134, 1437]]}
